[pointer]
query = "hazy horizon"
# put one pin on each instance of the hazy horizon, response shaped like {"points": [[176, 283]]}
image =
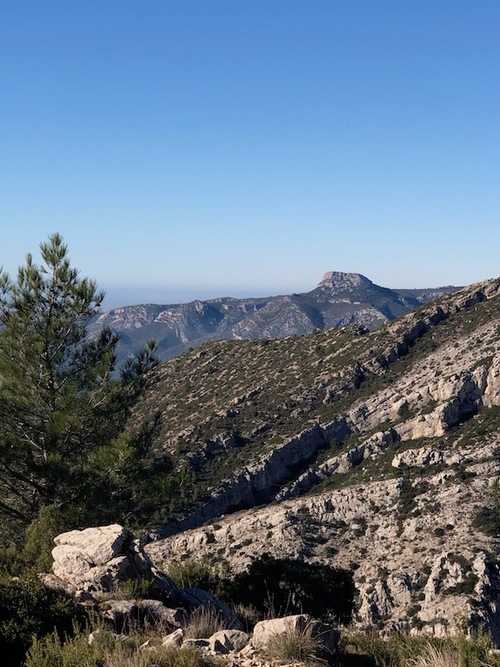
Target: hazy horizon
{"points": [[122, 295]]}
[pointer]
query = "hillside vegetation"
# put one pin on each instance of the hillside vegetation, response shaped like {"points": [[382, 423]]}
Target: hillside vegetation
{"points": [[230, 404], [369, 457], [371, 450]]}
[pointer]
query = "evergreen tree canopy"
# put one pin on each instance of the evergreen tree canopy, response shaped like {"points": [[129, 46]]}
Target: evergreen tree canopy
{"points": [[63, 408]]}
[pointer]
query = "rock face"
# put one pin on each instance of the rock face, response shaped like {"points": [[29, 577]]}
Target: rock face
{"points": [[419, 563], [338, 300], [341, 282], [445, 388], [96, 564], [395, 432], [98, 560]]}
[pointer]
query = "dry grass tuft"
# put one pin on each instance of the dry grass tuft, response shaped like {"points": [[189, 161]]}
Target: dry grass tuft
{"points": [[204, 622], [295, 647], [436, 656]]}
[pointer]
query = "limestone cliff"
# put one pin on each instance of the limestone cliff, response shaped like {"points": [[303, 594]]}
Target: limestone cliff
{"points": [[374, 450]]}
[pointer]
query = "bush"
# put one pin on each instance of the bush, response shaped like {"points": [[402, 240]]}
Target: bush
{"points": [[487, 520], [11, 561], [474, 651], [50, 651], [191, 573], [109, 651], [279, 586], [27, 610], [274, 587], [39, 538], [370, 650]]}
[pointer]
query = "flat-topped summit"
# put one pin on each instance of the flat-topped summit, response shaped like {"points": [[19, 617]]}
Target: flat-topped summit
{"points": [[341, 280]]}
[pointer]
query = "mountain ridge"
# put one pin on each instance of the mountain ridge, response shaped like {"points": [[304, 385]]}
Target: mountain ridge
{"points": [[339, 299], [374, 450]]}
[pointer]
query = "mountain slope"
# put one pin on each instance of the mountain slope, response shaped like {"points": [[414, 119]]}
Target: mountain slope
{"points": [[392, 435], [338, 300]]}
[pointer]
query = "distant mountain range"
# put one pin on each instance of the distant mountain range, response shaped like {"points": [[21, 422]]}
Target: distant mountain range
{"points": [[338, 300]]}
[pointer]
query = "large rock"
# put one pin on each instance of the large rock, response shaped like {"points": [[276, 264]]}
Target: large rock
{"points": [[228, 641], [108, 567], [174, 638], [120, 613], [99, 560], [325, 635], [93, 546], [153, 611]]}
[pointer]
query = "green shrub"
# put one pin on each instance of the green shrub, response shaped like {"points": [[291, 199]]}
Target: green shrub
{"points": [[474, 651], [39, 538], [27, 610], [11, 561], [50, 651], [464, 587], [108, 651], [370, 650], [278, 586], [192, 573], [487, 520], [273, 587], [136, 589]]}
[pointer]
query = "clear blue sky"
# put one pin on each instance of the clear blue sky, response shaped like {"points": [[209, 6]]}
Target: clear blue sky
{"points": [[194, 148]]}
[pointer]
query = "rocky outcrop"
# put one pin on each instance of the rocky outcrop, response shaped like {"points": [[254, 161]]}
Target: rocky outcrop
{"points": [[400, 444], [106, 563], [340, 281], [255, 483], [419, 563], [97, 561], [342, 463], [426, 456], [452, 385]]}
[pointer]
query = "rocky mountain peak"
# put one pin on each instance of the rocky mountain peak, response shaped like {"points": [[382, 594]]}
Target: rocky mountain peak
{"points": [[340, 281], [339, 300]]}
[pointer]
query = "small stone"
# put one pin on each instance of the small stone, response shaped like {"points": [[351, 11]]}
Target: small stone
{"points": [[174, 638]]}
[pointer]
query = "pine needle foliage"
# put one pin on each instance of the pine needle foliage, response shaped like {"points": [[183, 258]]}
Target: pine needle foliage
{"points": [[64, 406]]}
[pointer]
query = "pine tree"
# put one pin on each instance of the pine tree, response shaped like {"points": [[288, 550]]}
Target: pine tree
{"points": [[63, 410]]}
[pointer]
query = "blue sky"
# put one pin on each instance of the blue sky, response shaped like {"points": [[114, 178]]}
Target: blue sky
{"points": [[196, 148]]}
